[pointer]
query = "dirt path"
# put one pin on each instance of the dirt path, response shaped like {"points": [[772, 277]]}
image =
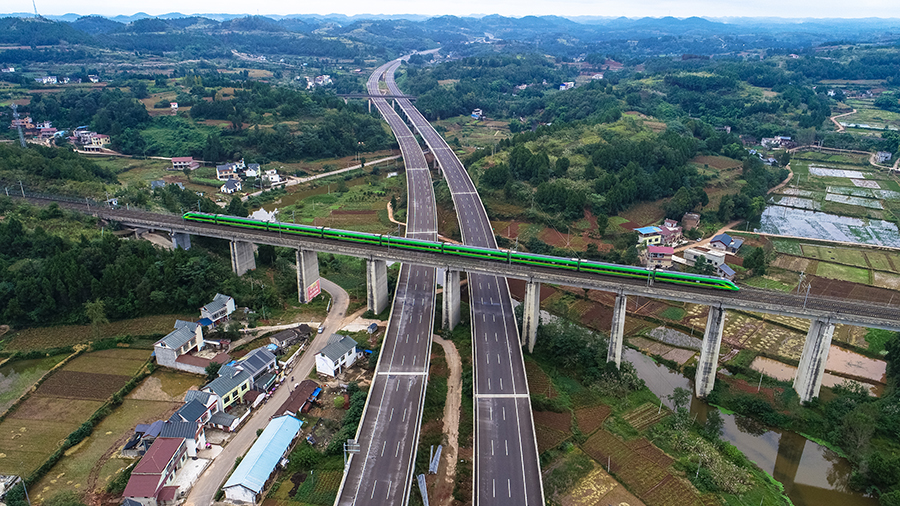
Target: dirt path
{"points": [[783, 183], [451, 419], [840, 127], [390, 211], [705, 242]]}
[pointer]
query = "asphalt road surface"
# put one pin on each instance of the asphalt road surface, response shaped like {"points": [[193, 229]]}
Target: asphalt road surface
{"points": [[507, 470], [382, 471]]}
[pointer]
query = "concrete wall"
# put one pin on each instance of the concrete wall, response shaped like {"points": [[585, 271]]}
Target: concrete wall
{"points": [[705, 378], [237, 493], [617, 333], [450, 313], [808, 380], [242, 257], [531, 315], [376, 285], [181, 240], [165, 356], [307, 275]]}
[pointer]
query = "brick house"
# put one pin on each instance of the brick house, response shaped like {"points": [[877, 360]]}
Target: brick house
{"points": [[150, 482]]}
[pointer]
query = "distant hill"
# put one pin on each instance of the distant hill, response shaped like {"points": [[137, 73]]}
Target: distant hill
{"points": [[96, 24], [38, 32]]}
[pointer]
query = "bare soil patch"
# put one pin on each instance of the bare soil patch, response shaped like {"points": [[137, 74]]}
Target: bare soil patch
{"points": [[591, 419], [559, 421], [82, 385]]}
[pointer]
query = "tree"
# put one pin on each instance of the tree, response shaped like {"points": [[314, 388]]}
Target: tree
{"points": [[680, 398], [756, 261], [212, 370], [714, 425], [702, 266], [236, 207], [602, 223], [784, 158], [96, 313], [187, 172]]}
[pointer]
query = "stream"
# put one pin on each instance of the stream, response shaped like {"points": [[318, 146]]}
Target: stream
{"points": [[812, 475]]}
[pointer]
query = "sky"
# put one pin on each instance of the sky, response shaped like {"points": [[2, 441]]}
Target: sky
{"points": [[517, 8]]}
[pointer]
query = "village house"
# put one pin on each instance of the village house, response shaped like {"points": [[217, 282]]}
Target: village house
{"points": [[262, 366], [46, 80], [254, 473], [144, 436], [715, 257], [478, 114], [301, 399], [151, 478], [226, 172], [690, 221], [184, 162], [186, 337], [271, 176], [218, 310], [726, 243], [657, 257], [290, 337], [188, 423], [231, 186], [339, 354], [252, 170], [567, 85], [670, 232], [882, 156], [648, 236], [230, 386]]}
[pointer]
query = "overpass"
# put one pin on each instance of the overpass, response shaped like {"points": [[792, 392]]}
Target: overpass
{"points": [[824, 312]]}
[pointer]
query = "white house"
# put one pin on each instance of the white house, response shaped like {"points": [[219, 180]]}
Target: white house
{"points": [[186, 337], [727, 243], [272, 176], [339, 354], [231, 186], [220, 308], [715, 257]]}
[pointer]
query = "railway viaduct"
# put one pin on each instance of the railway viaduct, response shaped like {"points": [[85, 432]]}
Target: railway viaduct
{"points": [[823, 313]]}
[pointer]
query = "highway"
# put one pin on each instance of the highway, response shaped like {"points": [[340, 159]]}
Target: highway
{"points": [[507, 470], [382, 471]]}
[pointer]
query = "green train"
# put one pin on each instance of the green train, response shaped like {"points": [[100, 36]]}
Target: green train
{"points": [[572, 264]]}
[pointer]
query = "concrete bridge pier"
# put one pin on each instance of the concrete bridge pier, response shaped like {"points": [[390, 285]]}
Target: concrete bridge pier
{"points": [[450, 314], [307, 275], [808, 380], [180, 240], [376, 285], [242, 257], [617, 334], [531, 314], [705, 378]]}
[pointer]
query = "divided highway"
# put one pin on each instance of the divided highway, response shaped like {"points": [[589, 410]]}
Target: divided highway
{"points": [[507, 470], [381, 473]]}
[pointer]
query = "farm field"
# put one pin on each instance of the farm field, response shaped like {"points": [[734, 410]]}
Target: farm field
{"points": [[17, 377], [64, 401], [93, 462], [67, 335]]}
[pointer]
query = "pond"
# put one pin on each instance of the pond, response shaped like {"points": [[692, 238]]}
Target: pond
{"points": [[812, 475]]}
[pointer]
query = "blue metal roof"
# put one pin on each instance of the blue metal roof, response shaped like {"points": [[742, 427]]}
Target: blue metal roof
{"points": [[648, 230], [256, 467]]}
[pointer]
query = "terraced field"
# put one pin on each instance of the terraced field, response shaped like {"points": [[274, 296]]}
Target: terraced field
{"points": [[645, 415]]}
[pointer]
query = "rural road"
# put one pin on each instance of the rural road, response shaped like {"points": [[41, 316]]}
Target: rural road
{"points": [[300, 180], [205, 488], [450, 454], [840, 127]]}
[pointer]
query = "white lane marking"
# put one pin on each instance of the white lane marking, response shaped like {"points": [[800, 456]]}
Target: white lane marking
{"points": [[501, 396], [489, 383], [392, 415], [509, 487], [388, 494], [398, 449], [382, 447], [406, 409], [493, 488], [504, 412], [492, 447], [374, 485], [501, 384], [401, 373], [495, 337], [507, 446]]}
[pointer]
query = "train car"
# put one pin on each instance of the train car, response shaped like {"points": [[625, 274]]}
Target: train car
{"points": [[570, 264]]}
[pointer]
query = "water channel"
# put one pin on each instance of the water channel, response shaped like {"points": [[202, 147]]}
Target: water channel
{"points": [[812, 475]]}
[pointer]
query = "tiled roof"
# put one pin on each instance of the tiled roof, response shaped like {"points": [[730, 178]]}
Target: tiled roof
{"points": [[232, 184], [256, 467], [178, 337], [220, 301], [298, 397], [197, 395], [222, 418], [722, 238], [256, 360], [141, 485], [159, 455], [222, 385], [665, 250], [179, 429], [190, 412], [337, 347], [727, 270]]}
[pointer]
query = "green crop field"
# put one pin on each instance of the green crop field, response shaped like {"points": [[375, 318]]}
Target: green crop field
{"points": [[884, 261], [842, 272], [839, 255], [17, 377]]}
